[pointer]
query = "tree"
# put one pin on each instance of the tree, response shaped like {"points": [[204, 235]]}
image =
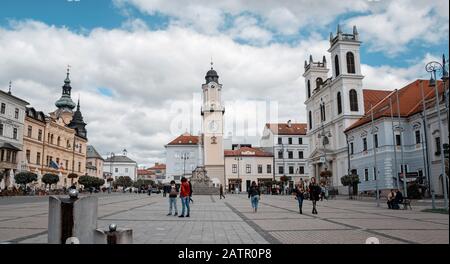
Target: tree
{"points": [[142, 182], [24, 178], [325, 176], [124, 181], [350, 181], [50, 179], [90, 181], [72, 176]]}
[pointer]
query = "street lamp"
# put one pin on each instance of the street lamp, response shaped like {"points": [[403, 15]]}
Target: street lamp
{"points": [[324, 135], [184, 156], [238, 159], [110, 156], [432, 68]]}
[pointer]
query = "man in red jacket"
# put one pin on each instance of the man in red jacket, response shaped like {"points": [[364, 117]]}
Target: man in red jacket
{"points": [[184, 195]]}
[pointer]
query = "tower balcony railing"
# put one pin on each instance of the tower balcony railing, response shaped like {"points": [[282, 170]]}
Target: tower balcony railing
{"points": [[212, 109]]}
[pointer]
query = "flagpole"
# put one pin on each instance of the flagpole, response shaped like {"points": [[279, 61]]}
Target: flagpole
{"points": [[427, 169], [403, 170], [393, 143], [374, 148]]}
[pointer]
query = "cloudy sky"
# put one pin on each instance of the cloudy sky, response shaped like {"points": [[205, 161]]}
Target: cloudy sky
{"points": [[138, 65]]}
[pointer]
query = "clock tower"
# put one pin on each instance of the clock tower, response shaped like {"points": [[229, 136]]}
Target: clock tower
{"points": [[212, 115]]}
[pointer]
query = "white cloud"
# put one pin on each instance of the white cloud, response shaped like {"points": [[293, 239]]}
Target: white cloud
{"points": [[149, 72], [401, 22]]}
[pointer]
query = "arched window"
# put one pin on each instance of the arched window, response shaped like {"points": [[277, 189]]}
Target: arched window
{"points": [[58, 142], [310, 120], [309, 89], [319, 82], [353, 100], [336, 65], [322, 112], [339, 103], [350, 63]]}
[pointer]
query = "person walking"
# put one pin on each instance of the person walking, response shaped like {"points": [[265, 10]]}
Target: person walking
{"points": [[184, 196], [299, 195], [398, 199], [173, 193], [314, 194], [221, 192], [254, 194], [190, 193]]}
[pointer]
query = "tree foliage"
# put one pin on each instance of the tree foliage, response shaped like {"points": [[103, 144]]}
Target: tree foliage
{"points": [[350, 180], [25, 177], [284, 178], [50, 179], [89, 181], [72, 176], [142, 182], [124, 181]]}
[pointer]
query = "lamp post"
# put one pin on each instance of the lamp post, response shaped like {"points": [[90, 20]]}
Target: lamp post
{"points": [[374, 147], [324, 135], [111, 159], [184, 156], [238, 159], [432, 68]]}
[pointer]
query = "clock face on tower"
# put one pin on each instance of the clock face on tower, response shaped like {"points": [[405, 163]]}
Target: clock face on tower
{"points": [[213, 126]]}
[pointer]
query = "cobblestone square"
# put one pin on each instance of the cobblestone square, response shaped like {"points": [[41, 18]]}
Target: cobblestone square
{"points": [[231, 221]]}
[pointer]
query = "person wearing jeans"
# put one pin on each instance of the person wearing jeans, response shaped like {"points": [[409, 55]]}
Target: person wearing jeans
{"points": [[254, 195], [185, 195], [299, 195], [173, 198]]}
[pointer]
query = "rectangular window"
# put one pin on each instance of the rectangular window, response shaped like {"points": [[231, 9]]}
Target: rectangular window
{"points": [[351, 148], [248, 168], [374, 174], [376, 140], [16, 113], [15, 133], [38, 158], [366, 174], [398, 140], [126, 170], [116, 170], [30, 131], [290, 154], [438, 146], [280, 154], [418, 141], [291, 169], [302, 170], [40, 135], [269, 168], [280, 170], [234, 168], [28, 156], [260, 170], [67, 164], [280, 141], [300, 141], [1, 129], [290, 141], [3, 109], [300, 155], [364, 144]]}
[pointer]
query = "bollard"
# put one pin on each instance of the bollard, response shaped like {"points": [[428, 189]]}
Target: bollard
{"points": [[72, 220], [114, 235]]}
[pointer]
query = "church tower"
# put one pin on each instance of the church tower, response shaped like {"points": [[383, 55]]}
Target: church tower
{"points": [[347, 77], [65, 104], [213, 124]]}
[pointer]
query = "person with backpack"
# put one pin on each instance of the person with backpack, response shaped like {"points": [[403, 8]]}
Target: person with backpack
{"points": [[314, 194], [184, 196], [173, 193], [254, 194], [190, 194]]}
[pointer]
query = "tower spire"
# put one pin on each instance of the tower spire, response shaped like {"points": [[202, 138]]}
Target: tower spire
{"points": [[9, 90], [212, 63]]}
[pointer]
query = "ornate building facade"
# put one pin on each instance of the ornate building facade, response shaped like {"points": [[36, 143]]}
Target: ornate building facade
{"points": [[56, 143]]}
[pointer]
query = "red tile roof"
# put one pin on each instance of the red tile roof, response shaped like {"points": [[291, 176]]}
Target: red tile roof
{"points": [[247, 152], [185, 139], [144, 172], [284, 129], [410, 99], [158, 166], [373, 97]]}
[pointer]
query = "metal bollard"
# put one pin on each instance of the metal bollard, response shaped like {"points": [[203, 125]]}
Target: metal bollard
{"points": [[114, 235]]}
